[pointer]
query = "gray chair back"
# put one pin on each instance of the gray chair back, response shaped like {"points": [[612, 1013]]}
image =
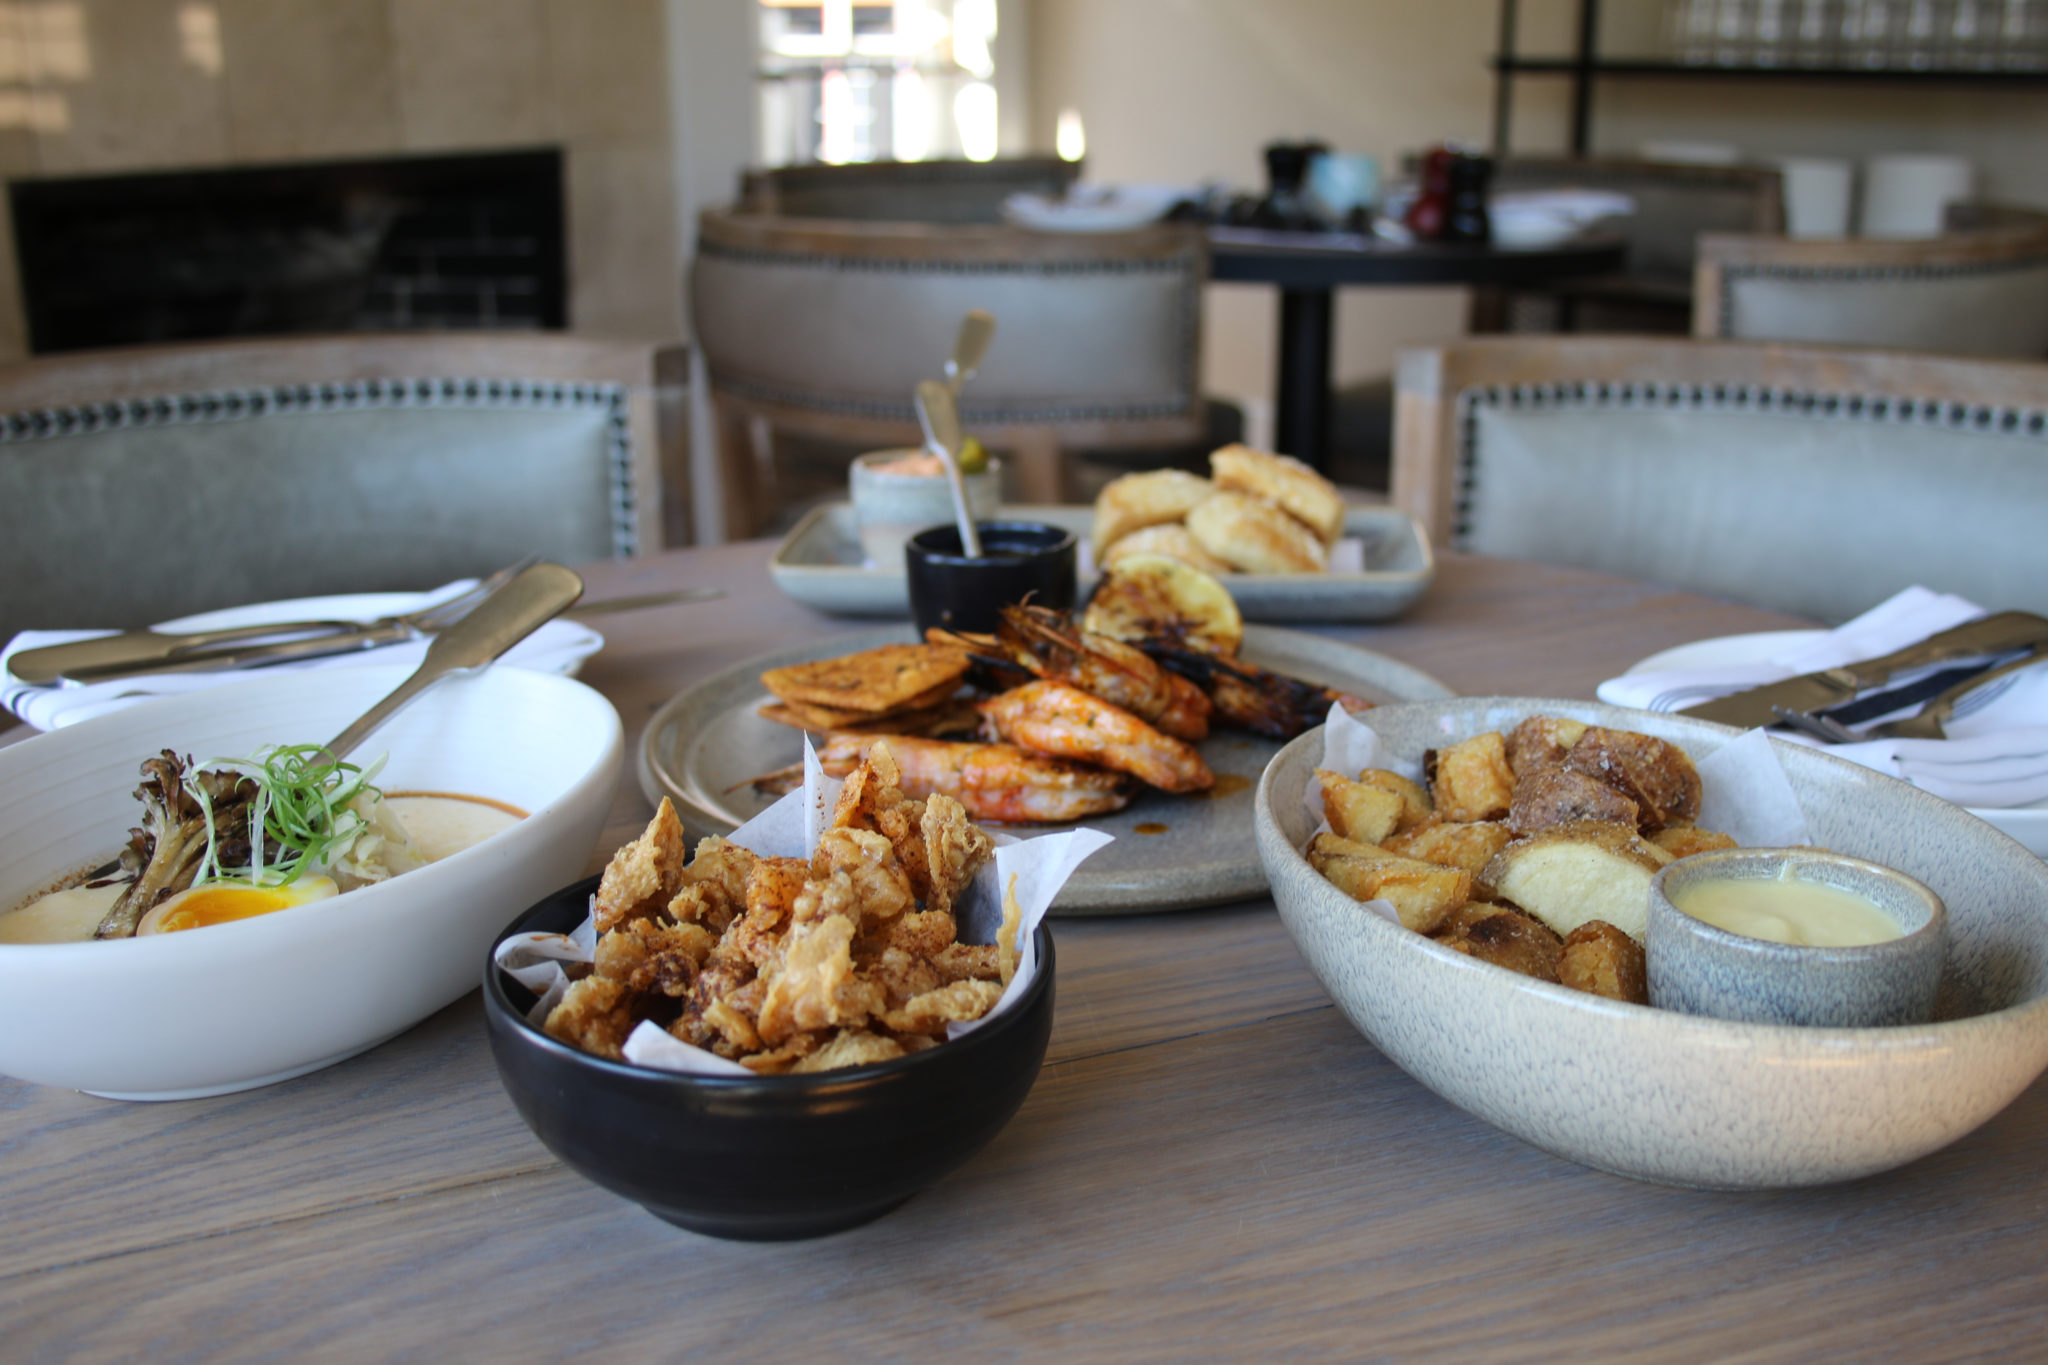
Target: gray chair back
{"points": [[825, 328], [1812, 482], [203, 477], [1972, 293], [904, 191]]}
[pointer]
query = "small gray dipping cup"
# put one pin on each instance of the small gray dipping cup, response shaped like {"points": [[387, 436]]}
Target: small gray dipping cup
{"points": [[1695, 968]]}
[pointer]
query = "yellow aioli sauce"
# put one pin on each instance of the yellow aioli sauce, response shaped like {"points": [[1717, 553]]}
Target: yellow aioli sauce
{"points": [[1781, 910]]}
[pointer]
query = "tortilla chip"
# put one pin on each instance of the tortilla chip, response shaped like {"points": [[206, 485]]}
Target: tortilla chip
{"points": [[879, 679]]}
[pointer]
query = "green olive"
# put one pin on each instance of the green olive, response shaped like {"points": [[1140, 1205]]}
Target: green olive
{"points": [[973, 457]]}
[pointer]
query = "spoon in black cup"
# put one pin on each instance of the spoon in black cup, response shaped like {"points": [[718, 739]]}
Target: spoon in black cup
{"points": [[940, 418]]}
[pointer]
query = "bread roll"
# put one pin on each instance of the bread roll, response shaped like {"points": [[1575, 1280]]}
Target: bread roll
{"points": [[1167, 538], [1145, 499], [1287, 483], [1255, 536]]}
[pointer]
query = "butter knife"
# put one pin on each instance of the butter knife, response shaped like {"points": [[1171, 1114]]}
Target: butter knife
{"points": [[1999, 633]]}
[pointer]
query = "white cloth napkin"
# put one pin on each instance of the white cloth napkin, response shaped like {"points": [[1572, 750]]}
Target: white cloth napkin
{"points": [[1997, 751], [557, 647]]}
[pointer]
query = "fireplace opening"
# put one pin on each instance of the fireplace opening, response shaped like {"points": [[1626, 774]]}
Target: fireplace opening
{"points": [[396, 244]]}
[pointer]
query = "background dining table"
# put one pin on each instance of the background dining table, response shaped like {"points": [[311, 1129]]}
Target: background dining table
{"points": [[1213, 1163]]}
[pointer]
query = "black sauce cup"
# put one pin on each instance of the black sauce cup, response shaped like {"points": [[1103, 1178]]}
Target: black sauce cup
{"points": [[1019, 559], [763, 1158]]}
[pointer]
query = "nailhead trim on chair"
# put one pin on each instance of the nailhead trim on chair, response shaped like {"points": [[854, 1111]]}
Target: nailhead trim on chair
{"points": [[231, 405], [1595, 395], [1829, 274]]}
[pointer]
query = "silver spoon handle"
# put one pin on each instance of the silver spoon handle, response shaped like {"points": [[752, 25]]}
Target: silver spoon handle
{"points": [[534, 597]]}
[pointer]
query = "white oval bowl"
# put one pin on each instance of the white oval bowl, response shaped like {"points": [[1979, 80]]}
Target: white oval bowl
{"points": [[1670, 1097], [260, 1000]]}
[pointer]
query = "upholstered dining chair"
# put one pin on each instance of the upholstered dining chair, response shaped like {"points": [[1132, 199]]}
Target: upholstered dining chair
{"points": [[1811, 480], [1979, 292], [903, 191], [822, 328], [138, 485], [1675, 202]]}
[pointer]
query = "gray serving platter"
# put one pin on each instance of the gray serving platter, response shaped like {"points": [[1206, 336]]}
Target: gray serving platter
{"points": [[820, 564], [1171, 852]]}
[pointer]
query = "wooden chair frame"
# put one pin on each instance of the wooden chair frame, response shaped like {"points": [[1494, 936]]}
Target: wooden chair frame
{"points": [[1430, 383]]}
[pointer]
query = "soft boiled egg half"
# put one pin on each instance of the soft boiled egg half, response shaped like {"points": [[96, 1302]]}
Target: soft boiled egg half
{"points": [[212, 903]]}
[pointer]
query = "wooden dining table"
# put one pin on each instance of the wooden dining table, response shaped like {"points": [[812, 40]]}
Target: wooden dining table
{"points": [[1213, 1163]]}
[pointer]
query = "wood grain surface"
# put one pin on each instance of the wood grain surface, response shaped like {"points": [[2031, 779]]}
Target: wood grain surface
{"points": [[1213, 1164]]}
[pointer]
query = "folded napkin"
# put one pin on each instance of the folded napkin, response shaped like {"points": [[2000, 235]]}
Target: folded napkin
{"points": [[1996, 754], [557, 647]]}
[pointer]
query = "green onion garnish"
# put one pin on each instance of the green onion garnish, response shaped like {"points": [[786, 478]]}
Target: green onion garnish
{"points": [[301, 805]]}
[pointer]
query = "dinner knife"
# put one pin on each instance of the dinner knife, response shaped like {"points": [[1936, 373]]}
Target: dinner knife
{"points": [[1999, 633]]}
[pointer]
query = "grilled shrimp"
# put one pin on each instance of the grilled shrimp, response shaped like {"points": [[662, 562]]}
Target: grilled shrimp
{"points": [[993, 781], [1254, 698], [1054, 718], [1048, 644]]}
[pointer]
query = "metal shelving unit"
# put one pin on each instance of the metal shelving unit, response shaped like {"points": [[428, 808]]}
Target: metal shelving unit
{"points": [[1585, 69]]}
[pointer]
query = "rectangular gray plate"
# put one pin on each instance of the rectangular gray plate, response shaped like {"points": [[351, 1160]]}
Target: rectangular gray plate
{"points": [[819, 564]]}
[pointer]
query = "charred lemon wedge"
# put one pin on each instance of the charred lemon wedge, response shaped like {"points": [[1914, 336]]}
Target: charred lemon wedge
{"points": [[1152, 597]]}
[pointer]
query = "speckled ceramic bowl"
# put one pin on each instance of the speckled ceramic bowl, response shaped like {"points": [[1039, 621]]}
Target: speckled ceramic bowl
{"points": [[1671, 1097], [1700, 968]]}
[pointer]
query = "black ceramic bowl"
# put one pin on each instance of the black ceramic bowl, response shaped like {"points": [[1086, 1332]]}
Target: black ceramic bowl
{"points": [[763, 1158], [1019, 559]]}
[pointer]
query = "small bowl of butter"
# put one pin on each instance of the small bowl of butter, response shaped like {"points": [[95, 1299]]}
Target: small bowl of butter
{"points": [[1794, 936]]}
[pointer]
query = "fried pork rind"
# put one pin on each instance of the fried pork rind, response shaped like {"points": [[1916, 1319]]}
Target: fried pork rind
{"points": [[1602, 960], [644, 956], [1145, 499], [643, 875], [1423, 894], [1682, 841], [1364, 814], [850, 1047], [1472, 780], [595, 1014], [929, 1013], [1256, 537], [795, 964], [1578, 871], [1506, 938], [880, 679], [1287, 483], [1451, 844]]}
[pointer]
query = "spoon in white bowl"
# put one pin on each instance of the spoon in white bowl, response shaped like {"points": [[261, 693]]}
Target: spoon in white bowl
{"points": [[940, 418], [976, 330]]}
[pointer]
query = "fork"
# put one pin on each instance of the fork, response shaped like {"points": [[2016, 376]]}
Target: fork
{"points": [[1926, 723], [164, 651]]}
